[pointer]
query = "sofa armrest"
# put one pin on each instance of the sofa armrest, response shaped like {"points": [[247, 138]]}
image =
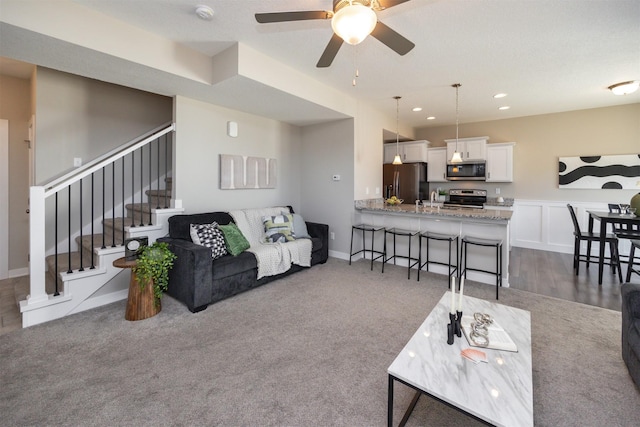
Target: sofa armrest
{"points": [[191, 278], [320, 231], [631, 300]]}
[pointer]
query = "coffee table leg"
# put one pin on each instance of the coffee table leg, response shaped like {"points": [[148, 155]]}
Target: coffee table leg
{"points": [[407, 414], [390, 403]]}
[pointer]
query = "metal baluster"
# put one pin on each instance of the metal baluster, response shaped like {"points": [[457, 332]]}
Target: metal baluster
{"points": [[113, 203], [166, 166], [93, 266], [80, 219], [149, 204], [56, 293], [69, 229], [158, 175], [103, 204], [114, 229], [141, 186], [133, 190]]}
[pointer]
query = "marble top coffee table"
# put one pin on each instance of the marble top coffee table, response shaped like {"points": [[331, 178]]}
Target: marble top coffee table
{"points": [[499, 392]]}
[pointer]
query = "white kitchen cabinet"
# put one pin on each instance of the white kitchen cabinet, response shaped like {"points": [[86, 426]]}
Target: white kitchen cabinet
{"points": [[437, 164], [409, 151], [471, 149], [500, 162]]}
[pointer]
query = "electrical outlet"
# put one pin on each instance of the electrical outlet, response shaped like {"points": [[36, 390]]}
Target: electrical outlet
{"points": [[498, 190], [377, 190], [332, 235], [366, 190], [77, 162]]}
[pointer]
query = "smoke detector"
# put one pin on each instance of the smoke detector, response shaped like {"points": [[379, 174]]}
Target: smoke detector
{"points": [[204, 12]]}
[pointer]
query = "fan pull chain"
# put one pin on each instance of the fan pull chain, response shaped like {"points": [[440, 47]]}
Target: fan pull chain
{"points": [[355, 65]]}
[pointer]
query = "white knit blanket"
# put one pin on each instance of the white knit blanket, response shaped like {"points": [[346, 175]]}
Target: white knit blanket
{"points": [[273, 258]]}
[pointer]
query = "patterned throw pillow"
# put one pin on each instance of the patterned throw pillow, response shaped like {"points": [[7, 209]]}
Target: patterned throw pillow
{"points": [[210, 236], [278, 228]]}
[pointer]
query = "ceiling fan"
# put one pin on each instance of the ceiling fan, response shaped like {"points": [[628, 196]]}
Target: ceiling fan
{"points": [[352, 21]]}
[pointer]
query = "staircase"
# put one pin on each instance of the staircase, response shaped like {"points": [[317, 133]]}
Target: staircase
{"points": [[83, 276]]}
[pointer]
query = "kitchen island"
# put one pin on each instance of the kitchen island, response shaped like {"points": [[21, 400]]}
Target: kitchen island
{"points": [[484, 223]]}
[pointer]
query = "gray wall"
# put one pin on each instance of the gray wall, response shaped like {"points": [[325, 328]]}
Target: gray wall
{"points": [[540, 140], [327, 151], [200, 138], [81, 117]]}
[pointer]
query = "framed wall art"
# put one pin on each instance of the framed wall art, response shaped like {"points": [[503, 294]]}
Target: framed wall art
{"points": [[599, 172]]}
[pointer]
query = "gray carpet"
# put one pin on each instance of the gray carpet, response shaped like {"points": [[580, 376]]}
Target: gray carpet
{"points": [[309, 349]]}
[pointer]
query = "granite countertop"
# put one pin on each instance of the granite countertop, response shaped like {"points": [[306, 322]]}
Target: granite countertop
{"points": [[375, 205], [493, 201]]}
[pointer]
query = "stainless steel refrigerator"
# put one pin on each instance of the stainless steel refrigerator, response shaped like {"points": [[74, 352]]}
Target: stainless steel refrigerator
{"points": [[407, 181]]}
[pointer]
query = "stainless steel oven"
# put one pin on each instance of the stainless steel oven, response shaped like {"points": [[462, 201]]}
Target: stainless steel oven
{"points": [[466, 172]]}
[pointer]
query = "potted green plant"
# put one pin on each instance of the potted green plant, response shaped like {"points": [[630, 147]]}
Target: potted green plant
{"points": [[442, 195], [152, 266]]}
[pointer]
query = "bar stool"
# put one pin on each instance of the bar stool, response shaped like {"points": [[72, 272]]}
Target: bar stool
{"points": [[411, 261], [635, 244], [488, 243], [429, 235], [364, 228]]}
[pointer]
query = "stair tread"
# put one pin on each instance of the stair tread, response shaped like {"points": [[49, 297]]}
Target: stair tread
{"points": [[97, 241], [159, 193], [63, 262]]}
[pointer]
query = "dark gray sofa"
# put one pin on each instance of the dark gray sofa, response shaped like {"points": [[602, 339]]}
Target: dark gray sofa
{"points": [[631, 329], [198, 281]]}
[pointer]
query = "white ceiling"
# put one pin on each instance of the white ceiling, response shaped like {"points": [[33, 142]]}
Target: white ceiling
{"points": [[548, 55]]}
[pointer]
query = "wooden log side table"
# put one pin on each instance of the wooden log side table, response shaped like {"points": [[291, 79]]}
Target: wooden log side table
{"points": [[141, 303]]}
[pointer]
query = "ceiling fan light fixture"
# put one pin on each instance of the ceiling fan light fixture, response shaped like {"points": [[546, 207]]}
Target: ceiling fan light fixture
{"points": [[625, 88], [354, 22]]}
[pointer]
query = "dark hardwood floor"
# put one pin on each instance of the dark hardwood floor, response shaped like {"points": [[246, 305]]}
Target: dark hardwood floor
{"points": [[551, 274]]}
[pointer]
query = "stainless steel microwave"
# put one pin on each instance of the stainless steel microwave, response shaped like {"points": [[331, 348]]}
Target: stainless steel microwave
{"points": [[466, 172]]}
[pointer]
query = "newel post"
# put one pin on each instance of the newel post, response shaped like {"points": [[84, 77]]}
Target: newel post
{"points": [[37, 244]]}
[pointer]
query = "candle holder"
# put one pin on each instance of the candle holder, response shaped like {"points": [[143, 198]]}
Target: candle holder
{"points": [[451, 328], [458, 327]]}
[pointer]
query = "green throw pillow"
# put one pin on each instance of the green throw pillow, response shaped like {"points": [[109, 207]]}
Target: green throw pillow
{"points": [[234, 240]]}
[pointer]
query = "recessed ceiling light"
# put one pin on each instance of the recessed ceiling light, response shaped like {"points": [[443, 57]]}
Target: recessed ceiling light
{"points": [[416, 109], [204, 12], [499, 95], [504, 107], [625, 88], [431, 118]]}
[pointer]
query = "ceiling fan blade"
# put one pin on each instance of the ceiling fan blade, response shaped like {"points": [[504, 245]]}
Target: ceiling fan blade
{"points": [[392, 39], [265, 18], [386, 4], [330, 51]]}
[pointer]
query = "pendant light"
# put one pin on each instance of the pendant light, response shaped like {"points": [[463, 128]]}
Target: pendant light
{"points": [[456, 154], [397, 160]]}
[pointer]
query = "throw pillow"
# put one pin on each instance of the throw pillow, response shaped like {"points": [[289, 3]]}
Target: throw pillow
{"points": [[278, 228], [210, 236], [299, 226], [235, 241]]}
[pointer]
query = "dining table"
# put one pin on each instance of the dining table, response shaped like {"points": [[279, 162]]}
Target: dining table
{"points": [[626, 221]]}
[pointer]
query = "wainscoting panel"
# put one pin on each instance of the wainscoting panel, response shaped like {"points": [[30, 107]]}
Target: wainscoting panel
{"points": [[546, 225]]}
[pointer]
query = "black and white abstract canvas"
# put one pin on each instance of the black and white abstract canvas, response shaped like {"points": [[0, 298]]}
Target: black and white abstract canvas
{"points": [[600, 172]]}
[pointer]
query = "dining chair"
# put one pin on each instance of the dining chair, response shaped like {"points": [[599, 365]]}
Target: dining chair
{"points": [[624, 231], [590, 237]]}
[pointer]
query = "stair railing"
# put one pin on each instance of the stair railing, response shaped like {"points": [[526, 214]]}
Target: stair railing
{"points": [[102, 199]]}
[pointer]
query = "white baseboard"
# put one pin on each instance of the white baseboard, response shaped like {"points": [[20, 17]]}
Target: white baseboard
{"points": [[19, 272]]}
